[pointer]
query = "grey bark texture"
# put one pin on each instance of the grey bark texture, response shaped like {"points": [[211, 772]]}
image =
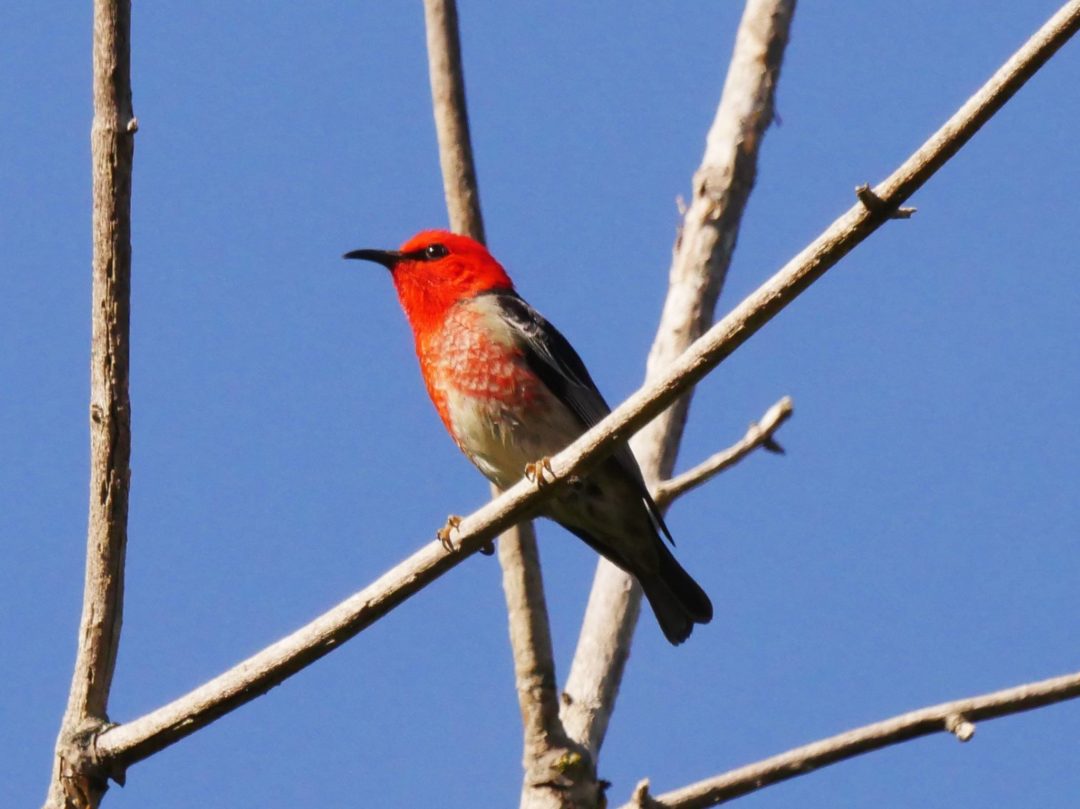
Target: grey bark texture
{"points": [[76, 779]]}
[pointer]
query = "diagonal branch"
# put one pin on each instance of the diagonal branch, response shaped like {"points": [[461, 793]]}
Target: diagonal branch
{"points": [[545, 741], [955, 717], [699, 266], [123, 745], [74, 783], [760, 434]]}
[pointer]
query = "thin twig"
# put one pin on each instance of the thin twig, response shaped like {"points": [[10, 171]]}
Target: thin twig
{"points": [[75, 782], [760, 434], [700, 260], [451, 118], [956, 717], [545, 742], [122, 745]]}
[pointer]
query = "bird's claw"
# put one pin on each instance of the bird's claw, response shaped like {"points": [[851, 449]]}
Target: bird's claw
{"points": [[539, 472], [453, 522]]}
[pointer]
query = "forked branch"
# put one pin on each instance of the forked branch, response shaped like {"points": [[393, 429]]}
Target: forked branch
{"points": [[610, 619], [760, 434], [122, 745], [699, 263], [957, 717]]}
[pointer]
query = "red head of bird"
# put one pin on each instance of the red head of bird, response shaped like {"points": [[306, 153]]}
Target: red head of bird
{"points": [[436, 269]]}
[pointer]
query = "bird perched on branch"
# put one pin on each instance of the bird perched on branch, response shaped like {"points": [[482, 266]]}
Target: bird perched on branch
{"points": [[512, 392]]}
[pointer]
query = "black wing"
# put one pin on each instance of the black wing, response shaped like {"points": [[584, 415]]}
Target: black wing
{"points": [[551, 357]]}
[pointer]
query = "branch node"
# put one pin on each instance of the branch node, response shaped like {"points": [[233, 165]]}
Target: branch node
{"points": [[759, 434], [569, 761], [81, 767], [641, 799], [770, 444], [132, 125], [959, 727], [876, 205]]}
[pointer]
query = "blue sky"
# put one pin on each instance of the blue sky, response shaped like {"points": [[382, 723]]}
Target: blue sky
{"points": [[920, 541]]}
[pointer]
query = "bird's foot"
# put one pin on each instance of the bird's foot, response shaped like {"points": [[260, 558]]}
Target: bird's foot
{"points": [[453, 522], [539, 472]]}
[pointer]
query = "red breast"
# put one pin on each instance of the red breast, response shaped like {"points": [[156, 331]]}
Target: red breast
{"points": [[471, 362]]}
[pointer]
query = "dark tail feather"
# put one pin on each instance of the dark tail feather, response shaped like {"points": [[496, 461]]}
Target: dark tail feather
{"points": [[675, 598]]}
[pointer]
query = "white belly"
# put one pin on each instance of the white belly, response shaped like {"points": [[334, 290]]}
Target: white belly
{"points": [[503, 439]]}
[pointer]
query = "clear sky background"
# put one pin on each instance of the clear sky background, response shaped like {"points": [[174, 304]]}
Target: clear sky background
{"points": [[919, 542]]}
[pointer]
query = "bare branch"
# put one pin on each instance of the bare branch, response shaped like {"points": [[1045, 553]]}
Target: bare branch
{"points": [[547, 748], [760, 434], [75, 781], [699, 265], [530, 637], [558, 772], [451, 118], [122, 745], [952, 717], [613, 607]]}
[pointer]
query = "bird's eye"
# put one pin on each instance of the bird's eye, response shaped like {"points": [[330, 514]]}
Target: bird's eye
{"points": [[433, 251]]}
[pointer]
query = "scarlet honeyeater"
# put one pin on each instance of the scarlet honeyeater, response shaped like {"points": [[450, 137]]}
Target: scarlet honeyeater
{"points": [[512, 392]]}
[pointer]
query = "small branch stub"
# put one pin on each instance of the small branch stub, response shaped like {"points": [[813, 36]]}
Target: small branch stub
{"points": [[876, 205], [770, 444], [640, 799], [959, 727]]}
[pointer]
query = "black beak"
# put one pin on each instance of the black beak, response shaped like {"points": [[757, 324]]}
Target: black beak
{"points": [[388, 258]]}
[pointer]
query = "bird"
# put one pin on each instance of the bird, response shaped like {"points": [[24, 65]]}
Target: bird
{"points": [[512, 392]]}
